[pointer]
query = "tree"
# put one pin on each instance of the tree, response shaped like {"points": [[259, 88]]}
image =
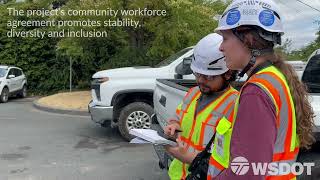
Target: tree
{"points": [[45, 61], [35, 55]]}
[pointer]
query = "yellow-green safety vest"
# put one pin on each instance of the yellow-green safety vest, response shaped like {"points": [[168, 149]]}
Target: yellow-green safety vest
{"points": [[286, 148], [197, 129]]}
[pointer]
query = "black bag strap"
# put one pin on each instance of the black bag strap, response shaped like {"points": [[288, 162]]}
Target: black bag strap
{"points": [[199, 166], [208, 146]]}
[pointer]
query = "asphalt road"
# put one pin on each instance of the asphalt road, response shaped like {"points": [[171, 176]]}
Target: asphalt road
{"points": [[38, 145]]}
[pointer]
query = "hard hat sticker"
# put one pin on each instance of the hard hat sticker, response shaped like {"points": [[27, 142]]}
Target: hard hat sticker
{"points": [[233, 17], [266, 17]]}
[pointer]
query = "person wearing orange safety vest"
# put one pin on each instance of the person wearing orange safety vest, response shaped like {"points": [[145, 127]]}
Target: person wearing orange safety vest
{"points": [[202, 107], [272, 116]]}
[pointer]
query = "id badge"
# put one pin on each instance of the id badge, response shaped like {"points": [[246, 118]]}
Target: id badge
{"points": [[219, 144]]}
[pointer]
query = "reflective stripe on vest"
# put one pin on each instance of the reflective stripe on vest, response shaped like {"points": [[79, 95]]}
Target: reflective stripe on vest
{"points": [[198, 130], [191, 94], [286, 148]]}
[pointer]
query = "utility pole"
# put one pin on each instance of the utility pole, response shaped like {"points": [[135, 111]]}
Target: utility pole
{"points": [[70, 78]]}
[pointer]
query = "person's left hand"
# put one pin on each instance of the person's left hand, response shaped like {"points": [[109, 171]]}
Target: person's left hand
{"points": [[180, 152]]}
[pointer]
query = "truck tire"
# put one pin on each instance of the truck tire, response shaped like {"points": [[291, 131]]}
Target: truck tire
{"points": [[134, 115], [23, 92], [4, 97]]}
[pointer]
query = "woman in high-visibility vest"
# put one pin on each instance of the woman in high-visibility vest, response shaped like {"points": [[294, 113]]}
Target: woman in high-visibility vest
{"points": [[273, 118], [202, 107]]}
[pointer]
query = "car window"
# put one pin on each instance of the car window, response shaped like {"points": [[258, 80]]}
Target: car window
{"points": [[17, 72], [11, 72], [311, 76], [3, 72]]}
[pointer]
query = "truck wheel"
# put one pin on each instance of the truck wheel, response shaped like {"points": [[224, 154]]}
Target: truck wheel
{"points": [[23, 92], [4, 97], [135, 115]]}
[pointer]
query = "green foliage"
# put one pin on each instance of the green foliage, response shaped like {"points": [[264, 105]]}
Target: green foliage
{"points": [[188, 21], [35, 55], [46, 61]]}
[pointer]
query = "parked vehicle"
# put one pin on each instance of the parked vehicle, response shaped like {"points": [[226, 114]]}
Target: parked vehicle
{"points": [[170, 92], [12, 82], [123, 97]]}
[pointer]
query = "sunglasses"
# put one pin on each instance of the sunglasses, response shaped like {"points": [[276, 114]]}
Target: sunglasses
{"points": [[206, 77]]}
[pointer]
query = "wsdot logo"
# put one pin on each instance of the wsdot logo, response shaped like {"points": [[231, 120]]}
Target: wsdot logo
{"points": [[240, 166]]}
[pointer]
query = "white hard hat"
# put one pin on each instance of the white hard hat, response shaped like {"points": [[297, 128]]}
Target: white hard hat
{"points": [[262, 13], [207, 58]]}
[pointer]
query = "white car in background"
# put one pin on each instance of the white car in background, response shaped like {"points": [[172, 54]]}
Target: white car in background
{"points": [[12, 82]]}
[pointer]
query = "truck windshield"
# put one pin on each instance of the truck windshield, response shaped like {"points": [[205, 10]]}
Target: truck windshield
{"points": [[173, 57], [3, 72]]}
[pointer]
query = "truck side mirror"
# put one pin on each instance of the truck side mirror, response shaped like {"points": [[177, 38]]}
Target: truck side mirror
{"points": [[184, 67], [187, 61]]}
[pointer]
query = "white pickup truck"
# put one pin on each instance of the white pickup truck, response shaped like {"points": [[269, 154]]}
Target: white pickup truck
{"points": [[170, 92], [123, 97]]}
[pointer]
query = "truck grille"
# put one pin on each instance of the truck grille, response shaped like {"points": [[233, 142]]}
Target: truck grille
{"points": [[95, 85]]}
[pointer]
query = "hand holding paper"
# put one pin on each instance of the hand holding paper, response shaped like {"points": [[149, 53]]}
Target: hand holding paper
{"points": [[150, 136]]}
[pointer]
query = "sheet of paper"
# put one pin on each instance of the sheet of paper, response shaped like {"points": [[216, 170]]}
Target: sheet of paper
{"points": [[138, 140], [152, 136]]}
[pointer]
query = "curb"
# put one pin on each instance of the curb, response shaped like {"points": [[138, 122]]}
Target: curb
{"points": [[39, 106]]}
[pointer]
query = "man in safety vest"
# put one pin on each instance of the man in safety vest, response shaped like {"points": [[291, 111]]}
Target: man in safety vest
{"points": [[203, 106]]}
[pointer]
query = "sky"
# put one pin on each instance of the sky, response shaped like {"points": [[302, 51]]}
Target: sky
{"points": [[299, 21]]}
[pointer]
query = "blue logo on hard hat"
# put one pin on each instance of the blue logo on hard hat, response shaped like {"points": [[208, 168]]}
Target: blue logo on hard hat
{"points": [[233, 17], [266, 17]]}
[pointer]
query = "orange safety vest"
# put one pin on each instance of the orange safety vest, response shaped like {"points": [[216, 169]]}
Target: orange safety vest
{"points": [[286, 148], [197, 130]]}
